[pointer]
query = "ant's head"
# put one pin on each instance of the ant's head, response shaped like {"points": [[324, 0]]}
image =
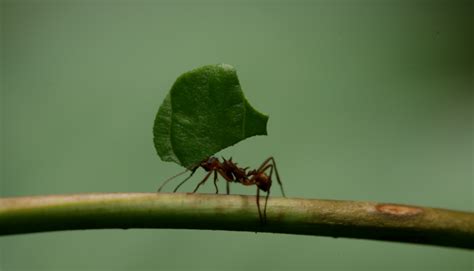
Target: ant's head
{"points": [[212, 160], [210, 163]]}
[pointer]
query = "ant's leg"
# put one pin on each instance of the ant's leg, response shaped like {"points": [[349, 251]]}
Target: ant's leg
{"points": [[258, 205], [203, 181], [271, 167], [265, 208], [278, 177], [265, 165], [228, 180], [187, 178], [215, 182], [268, 192]]}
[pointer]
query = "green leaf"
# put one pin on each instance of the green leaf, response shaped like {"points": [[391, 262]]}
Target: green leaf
{"points": [[204, 112]]}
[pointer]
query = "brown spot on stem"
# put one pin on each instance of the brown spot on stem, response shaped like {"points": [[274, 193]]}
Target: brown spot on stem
{"points": [[398, 210]]}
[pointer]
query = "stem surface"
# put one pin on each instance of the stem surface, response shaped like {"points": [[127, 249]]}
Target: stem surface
{"points": [[366, 220]]}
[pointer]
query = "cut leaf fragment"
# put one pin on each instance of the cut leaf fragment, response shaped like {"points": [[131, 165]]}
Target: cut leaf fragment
{"points": [[204, 112]]}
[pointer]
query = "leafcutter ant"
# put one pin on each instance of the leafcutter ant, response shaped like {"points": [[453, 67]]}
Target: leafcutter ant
{"points": [[260, 177]]}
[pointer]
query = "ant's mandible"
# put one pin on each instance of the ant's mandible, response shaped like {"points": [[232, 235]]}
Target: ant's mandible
{"points": [[232, 173]]}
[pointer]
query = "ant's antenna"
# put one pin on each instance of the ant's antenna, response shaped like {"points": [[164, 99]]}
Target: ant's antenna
{"points": [[171, 178], [192, 169]]}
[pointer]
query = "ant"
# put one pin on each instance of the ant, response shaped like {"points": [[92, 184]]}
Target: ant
{"points": [[232, 173]]}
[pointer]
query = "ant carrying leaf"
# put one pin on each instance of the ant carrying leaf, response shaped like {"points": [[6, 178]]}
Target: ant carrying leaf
{"points": [[205, 112], [260, 177]]}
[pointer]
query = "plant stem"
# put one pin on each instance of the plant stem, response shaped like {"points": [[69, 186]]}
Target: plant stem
{"points": [[367, 220]]}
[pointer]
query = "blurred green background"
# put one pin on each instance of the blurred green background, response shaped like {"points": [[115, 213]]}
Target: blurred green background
{"points": [[368, 100]]}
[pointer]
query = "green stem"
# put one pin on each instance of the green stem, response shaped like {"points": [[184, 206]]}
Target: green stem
{"points": [[352, 219]]}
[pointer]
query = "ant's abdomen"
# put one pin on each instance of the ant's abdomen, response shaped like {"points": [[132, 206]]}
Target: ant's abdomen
{"points": [[263, 182]]}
